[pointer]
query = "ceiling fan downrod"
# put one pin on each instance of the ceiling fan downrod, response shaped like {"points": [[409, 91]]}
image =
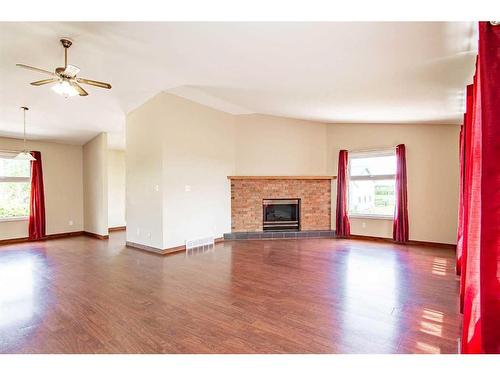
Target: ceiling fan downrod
{"points": [[66, 44]]}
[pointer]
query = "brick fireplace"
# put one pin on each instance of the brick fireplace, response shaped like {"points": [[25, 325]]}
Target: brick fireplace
{"points": [[249, 192]]}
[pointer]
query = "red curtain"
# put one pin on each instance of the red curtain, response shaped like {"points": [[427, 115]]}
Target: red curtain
{"points": [[471, 331], [400, 228], [463, 189], [489, 50], [463, 225], [343, 228], [480, 253], [460, 228], [37, 199]]}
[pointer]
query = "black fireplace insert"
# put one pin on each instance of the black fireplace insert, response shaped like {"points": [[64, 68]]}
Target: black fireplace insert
{"points": [[281, 214]]}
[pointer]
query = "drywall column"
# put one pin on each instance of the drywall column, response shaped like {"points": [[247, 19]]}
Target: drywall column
{"points": [[179, 154], [95, 185], [198, 156], [143, 175], [116, 188]]}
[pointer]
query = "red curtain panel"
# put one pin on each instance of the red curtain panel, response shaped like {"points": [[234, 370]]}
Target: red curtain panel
{"points": [[480, 262], [37, 199], [400, 228], [466, 190], [471, 331], [343, 228], [489, 63], [460, 226]]}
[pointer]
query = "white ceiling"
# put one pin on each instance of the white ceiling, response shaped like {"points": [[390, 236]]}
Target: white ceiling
{"points": [[332, 72]]}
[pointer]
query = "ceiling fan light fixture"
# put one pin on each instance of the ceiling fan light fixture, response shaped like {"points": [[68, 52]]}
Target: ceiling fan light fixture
{"points": [[65, 89]]}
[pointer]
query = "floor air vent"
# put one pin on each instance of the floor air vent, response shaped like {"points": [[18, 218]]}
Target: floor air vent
{"points": [[199, 242]]}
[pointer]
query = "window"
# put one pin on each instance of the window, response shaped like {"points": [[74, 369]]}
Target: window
{"points": [[14, 187], [372, 177]]}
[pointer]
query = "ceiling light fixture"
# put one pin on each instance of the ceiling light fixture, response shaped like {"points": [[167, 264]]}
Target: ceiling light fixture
{"points": [[66, 82], [24, 155], [64, 88]]}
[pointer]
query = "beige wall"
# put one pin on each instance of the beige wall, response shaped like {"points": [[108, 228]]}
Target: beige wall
{"points": [[143, 176], [179, 155], [200, 147], [116, 188], [268, 145], [180, 152], [198, 156], [432, 167], [62, 175], [95, 185]]}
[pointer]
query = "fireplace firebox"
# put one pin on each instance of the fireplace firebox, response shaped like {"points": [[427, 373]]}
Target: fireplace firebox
{"points": [[281, 214]]}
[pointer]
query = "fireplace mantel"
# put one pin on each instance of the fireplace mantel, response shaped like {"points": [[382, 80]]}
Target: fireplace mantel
{"points": [[281, 177]]}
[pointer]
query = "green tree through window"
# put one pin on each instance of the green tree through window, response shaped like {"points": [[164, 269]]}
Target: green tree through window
{"points": [[372, 183], [14, 187]]}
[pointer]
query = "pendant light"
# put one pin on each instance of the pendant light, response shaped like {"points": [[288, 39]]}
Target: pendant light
{"points": [[24, 155]]}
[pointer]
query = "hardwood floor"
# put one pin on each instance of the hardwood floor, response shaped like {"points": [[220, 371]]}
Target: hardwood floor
{"points": [[83, 295]]}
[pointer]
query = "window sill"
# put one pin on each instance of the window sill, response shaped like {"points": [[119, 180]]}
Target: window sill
{"points": [[376, 217], [19, 218]]}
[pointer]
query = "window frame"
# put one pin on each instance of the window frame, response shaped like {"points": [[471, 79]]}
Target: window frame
{"points": [[363, 155], [4, 155]]}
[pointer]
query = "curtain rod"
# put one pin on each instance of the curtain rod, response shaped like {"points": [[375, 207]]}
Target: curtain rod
{"points": [[387, 148], [13, 151]]}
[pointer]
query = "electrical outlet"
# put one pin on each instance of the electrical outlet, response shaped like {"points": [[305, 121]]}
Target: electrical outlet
{"points": [[70, 223], [363, 225], [138, 232], [157, 187], [187, 188]]}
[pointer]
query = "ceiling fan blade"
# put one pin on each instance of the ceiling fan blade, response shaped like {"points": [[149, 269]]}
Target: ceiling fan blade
{"points": [[71, 71], [80, 89], [36, 69], [44, 81], [94, 83]]}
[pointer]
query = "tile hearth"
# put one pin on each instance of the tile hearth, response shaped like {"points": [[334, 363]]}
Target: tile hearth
{"points": [[279, 235]]}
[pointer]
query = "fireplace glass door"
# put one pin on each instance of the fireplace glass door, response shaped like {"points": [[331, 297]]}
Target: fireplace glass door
{"points": [[281, 214]]}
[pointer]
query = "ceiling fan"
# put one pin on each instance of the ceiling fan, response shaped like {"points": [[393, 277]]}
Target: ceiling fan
{"points": [[65, 79]]}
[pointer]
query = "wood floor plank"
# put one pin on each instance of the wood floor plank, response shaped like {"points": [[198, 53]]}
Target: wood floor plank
{"points": [[83, 295]]}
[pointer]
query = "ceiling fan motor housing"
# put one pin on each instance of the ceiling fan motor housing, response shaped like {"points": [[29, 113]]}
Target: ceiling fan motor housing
{"points": [[66, 42]]}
